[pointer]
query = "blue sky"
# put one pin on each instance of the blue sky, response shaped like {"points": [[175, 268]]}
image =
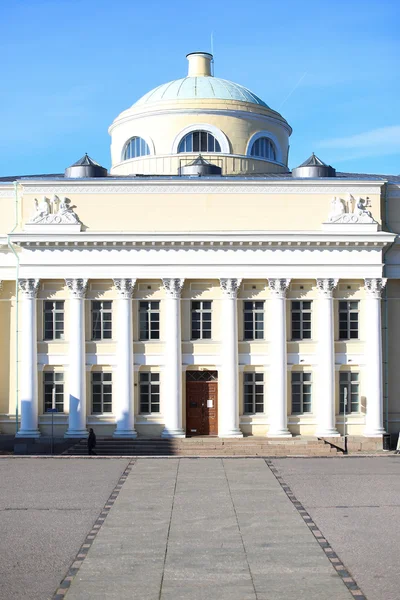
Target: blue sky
{"points": [[70, 66]]}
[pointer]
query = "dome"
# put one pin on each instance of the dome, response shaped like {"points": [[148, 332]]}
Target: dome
{"points": [[200, 84], [189, 88]]}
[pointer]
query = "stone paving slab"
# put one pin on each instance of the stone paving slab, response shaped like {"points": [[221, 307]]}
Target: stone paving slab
{"points": [[205, 529], [356, 505], [46, 509]]}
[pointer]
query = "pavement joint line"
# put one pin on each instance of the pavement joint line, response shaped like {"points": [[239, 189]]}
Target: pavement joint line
{"points": [[240, 532], [90, 538], [169, 529], [336, 562]]}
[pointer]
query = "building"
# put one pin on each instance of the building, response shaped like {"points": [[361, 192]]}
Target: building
{"points": [[200, 287]]}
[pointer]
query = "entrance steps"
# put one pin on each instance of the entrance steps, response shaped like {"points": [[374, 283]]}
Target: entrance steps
{"points": [[207, 446]]}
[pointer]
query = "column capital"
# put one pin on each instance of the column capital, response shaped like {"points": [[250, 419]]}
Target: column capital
{"points": [[326, 287], [29, 287], [125, 287], [374, 287], [173, 287], [279, 287], [230, 287], [77, 287]]}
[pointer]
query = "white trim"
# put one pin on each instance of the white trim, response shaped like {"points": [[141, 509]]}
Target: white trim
{"points": [[217, 133], [148, 141], [271, 136]]}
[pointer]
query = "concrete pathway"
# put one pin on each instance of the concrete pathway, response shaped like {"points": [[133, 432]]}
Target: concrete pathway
{"points": [[199, 529]]}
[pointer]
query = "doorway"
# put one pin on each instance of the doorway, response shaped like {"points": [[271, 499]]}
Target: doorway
{"points": [[201, 403]]}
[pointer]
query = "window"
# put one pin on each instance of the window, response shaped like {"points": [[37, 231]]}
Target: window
{"points": [[254, 320], [348, 319], [253, 393], [101, 393], [149, 392], [201, 320], [263, 148], [102, 320], [53, 383], [136, 147], [301, 319], [199, 141], [53, 320], [350, 382], [149, 317], [301, 393]]}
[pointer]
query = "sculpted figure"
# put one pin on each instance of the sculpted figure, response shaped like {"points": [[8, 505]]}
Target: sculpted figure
{"points": [[42, 208], [360, 209], [337, 208]]}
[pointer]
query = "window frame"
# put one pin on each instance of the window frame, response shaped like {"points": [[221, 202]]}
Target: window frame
{"points": [[53, 379], [102, 334], [149, 380], [301, 311], [54, 312], [353, 379], [102, 379], [143, 148], [188, 140], [300, 380], [267, 143], [202, 312], [348, 311], [152, 324], [252, 380], [254, 311]]}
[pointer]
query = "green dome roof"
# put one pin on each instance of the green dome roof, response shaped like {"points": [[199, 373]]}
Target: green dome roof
{"points": [[191, 88]]}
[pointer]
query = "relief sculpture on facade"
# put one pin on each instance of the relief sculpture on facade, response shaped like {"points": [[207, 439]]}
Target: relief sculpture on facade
{"points": [[352, 210], [54, 212]]}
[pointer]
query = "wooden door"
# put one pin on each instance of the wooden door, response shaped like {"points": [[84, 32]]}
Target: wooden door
{"points": [[201, 403]]}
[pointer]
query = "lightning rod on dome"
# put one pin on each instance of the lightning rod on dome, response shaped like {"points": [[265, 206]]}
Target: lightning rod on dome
{"points": [[212, 53]]}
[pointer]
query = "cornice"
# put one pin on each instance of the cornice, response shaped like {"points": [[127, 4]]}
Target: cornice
{"points": [[218, 186], [207, 240]]}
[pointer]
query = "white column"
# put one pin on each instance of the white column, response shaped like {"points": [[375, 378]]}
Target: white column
{"points": [[228, 406], [172, 386], [326, 425], [124, 405], [373, 357], [278, 370], [28, 371], [77, 359]]}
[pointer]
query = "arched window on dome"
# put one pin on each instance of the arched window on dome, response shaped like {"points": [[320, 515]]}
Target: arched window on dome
{"points": [[199, 141], [136, 147], [263, 148]]}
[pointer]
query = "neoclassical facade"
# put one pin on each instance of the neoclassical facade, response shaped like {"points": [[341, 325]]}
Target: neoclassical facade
{"points": [[172, 299]]}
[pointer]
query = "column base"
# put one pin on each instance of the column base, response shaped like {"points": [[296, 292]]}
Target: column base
{"points": [[280, 433], [173, 433], [28, 433], [328, 433], [125, 433], [76, 433], [233, 433], [374, 432]]}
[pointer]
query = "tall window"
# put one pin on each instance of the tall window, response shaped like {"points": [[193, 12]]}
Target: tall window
{"points": [[136, 147], [53, 320], [253, 320], [149, 317], [149, 392], [201, 320], [199, 141], [253, 393], [263, 148], [101, 393], [301, 319], [350, 382], [53, 383], [348, 319], [301, 393], [101, 319]]}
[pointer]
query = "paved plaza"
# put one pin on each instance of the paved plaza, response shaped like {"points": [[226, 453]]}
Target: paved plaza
{"points": [[198, 529]]}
